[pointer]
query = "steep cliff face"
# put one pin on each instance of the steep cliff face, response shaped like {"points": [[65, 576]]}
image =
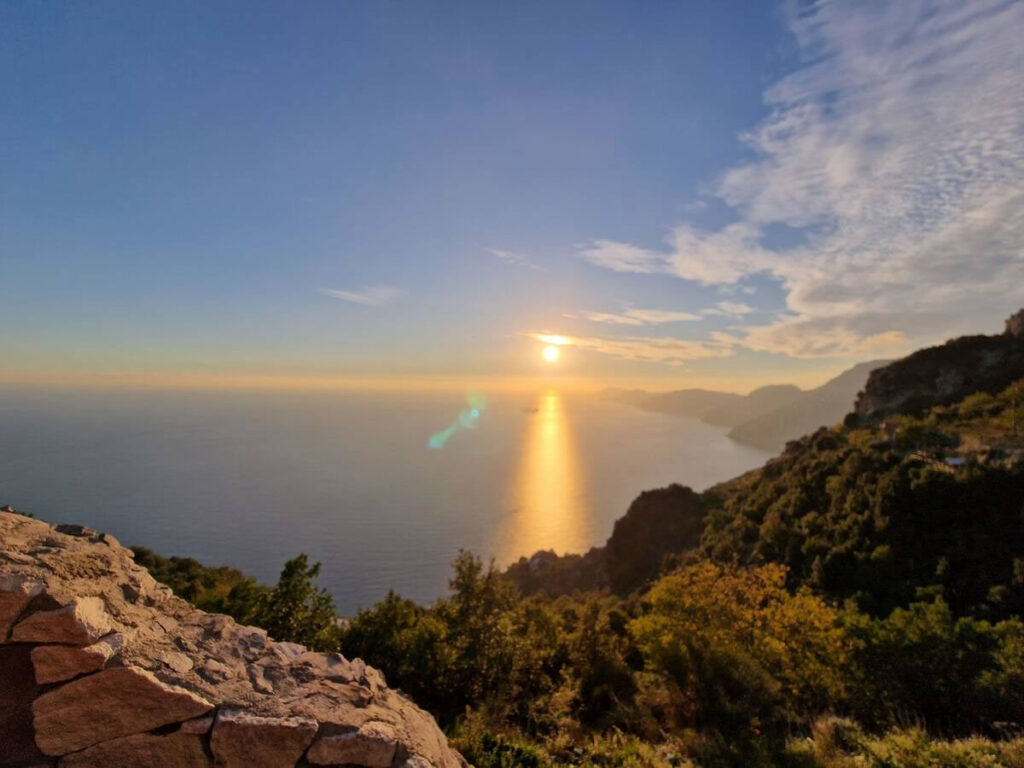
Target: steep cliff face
{"points": [[102, 667], [943, 374]]}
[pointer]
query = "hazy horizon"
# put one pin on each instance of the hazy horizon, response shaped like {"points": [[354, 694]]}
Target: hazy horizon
{"points": [[451, 384]]}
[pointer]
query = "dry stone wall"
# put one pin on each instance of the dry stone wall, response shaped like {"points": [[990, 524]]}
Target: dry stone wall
{"points": [[103, 667]]}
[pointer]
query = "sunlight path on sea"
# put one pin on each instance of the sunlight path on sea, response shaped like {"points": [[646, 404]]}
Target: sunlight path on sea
{"points": [[547, 495]]}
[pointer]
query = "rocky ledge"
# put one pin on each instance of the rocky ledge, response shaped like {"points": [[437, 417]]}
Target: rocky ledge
{"points": [[944, 374], [102, 667]]}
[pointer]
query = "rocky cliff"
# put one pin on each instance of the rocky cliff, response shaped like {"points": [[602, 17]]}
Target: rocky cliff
{"points": [[944, 374], [102, 667]]}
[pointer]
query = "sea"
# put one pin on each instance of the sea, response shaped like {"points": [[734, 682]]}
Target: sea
{"points": [[382, 488]]}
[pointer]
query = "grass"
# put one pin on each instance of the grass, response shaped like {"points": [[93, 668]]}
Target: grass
{"points": [[838, 743]]}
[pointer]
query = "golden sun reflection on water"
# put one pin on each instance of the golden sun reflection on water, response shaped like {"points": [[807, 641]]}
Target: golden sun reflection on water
{"points": [[546, 500]]}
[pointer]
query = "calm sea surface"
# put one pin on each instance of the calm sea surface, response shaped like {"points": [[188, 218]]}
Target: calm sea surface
{"points": [[250, 479]]}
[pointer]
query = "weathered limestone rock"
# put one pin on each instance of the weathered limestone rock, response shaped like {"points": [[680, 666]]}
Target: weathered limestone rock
{"points": [[17, 690], [54, 663], [109, 704], [373, 745], [15, 593], [243, 740], [199, 726], [176, 668], [82, 622], [1015, 324], [143, 750]]}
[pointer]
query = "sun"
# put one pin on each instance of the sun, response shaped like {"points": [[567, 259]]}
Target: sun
{"points": [[551, 353]]}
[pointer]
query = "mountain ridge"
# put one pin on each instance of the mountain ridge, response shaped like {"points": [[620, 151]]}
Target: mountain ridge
{"points": [[766, 418]]}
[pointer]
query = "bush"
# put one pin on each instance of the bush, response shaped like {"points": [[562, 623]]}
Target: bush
{"points": [[842, 744], [746, 655], [952, 675]]}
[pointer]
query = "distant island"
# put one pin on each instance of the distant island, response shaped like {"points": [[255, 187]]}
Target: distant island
{"points": [[767, 418]]}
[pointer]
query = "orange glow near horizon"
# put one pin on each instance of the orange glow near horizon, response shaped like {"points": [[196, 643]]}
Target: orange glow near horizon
{"points": [[547, 497], [739, 382]]}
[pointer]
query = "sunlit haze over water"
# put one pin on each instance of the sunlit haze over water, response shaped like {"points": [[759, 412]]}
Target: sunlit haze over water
{"points": [[251, 479]]}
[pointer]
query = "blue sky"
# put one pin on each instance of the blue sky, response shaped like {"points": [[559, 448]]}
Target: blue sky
{"points": [[694, 193]]}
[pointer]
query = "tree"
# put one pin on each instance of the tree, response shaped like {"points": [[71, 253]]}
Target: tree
{"points": [[742, 650], [298, 611], [952, 674]]}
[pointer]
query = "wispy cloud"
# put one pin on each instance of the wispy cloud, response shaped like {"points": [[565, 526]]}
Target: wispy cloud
{"points": [[665, 350], [897, 151], [370, 296], [637, 317], [729, 309], [516, 259]]}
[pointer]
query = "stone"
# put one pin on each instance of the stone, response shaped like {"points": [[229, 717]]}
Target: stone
{"points": [[107, 705], [143, 750], [82, 622], [15, 594], [179, 662], [215, 671], [17, 690], [373, 745], [199, 726], [189, 654], [244, 740], [54, 663], [73, 529], [416, 762], [1015, 324]]}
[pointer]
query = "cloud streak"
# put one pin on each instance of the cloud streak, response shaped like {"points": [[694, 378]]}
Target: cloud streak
{"points": [[729, 309], [897, 154], [516, 259], [638, 317], [371, 296], [665, 350]]}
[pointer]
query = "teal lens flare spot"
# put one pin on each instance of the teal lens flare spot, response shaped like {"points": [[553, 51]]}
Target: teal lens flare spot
{"points": [[467, 419]]}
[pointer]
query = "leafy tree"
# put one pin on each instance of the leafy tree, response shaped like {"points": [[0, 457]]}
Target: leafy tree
{"points": [[604, 680], [741, 649], [202, 586], [297, 610], [953, 674]]}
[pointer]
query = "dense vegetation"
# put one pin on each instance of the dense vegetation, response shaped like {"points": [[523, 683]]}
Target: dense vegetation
{"points": [[295, 610], [856, 602]]}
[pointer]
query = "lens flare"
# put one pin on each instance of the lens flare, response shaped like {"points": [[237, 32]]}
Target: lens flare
{"points": [[551, 353], [468, 418]]}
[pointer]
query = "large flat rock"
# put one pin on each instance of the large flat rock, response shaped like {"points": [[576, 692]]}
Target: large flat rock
{"points": [[83, 621], [107, 705], [143, 750], [54, 663], [373, 745], [243, 740]]}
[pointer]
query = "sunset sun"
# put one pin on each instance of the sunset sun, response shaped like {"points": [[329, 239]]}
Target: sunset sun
{"points": [[551, 353]]}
